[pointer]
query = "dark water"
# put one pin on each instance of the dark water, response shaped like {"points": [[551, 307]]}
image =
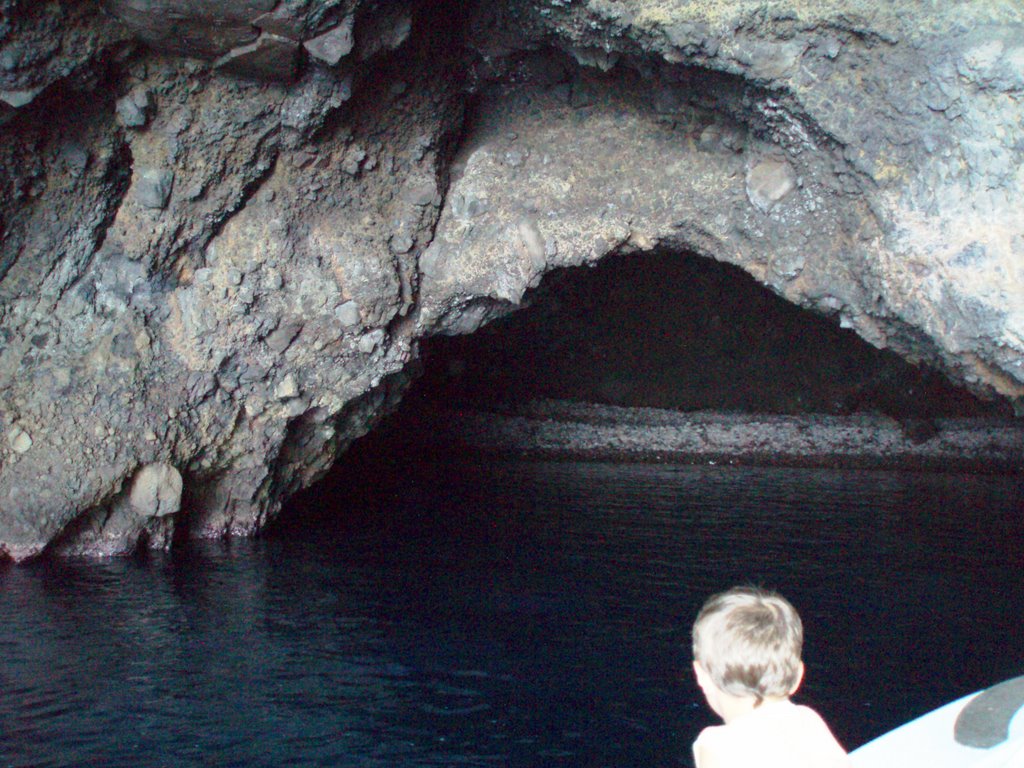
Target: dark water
{"points": [[509, 614]]}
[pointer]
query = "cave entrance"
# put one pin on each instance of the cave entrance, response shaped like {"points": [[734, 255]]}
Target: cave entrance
{"points": [[683, 332], [665, 330]]}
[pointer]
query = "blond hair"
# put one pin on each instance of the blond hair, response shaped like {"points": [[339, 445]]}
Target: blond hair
{"points": [[749, 642]]}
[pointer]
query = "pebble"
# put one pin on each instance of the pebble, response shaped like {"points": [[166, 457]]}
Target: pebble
{"points": [[19, 440], [348, 314], [370, 341], [153, 188], [769, 182], [287, 389], [332, 46]]}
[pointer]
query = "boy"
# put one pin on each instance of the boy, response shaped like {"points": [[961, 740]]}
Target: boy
{"points": [[746, 650]]}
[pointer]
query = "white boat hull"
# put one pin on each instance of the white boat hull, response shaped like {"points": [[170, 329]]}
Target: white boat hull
{"points": [[982, 730]]}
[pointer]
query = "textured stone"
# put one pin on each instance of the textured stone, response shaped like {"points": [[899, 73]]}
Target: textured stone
{"points": [[207, 29], [768, 182], [153, 188], [133, 109], [860, 162], [156, 491], [348, 314], [332, 46], [18, 439]]}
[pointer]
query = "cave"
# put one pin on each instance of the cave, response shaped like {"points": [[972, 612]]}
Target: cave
{"points": [[683, 332], [661, 330], [388, 383], [227, 239]]}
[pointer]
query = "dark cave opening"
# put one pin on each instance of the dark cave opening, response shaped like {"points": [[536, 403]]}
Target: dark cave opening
{"points": [[664, 330], [681, 332]]}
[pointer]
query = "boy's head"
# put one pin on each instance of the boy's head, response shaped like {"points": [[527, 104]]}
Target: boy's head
{"points": [[747, 642]]}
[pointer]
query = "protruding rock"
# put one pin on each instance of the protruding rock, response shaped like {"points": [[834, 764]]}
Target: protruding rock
{"points": [[311, 101], [206, 29], [332, 46], [368, 342], [156, 491], [281, 339], [532, 242], [769, 182], [720, 137], [348, 314], [687, 34], [287, 389], [353, 160], [19, 98], [596, 57], [18, 439], [153, 188], [133, 110], [282, 21], [420, 193], [388, 34]]}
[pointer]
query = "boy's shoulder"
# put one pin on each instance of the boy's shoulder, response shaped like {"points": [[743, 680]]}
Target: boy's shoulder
{"points": [[779, 734]]}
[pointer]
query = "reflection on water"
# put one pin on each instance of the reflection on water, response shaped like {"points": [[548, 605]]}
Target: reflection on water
{"points": [[509, 614]]}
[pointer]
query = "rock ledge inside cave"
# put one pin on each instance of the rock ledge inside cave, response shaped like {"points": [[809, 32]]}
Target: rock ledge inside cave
{"points": [[553, 429]]}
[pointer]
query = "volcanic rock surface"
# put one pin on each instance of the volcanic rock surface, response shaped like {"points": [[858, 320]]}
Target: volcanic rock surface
{"points": [[225, 226]]}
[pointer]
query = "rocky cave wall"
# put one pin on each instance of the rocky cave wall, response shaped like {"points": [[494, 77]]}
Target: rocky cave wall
{"points": [[225, 226]]}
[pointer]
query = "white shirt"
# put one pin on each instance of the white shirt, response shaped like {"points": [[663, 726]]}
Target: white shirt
{"points": [[777, 734]]}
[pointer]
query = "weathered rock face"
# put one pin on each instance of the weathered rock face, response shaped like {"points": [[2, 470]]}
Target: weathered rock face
{"points": [[224, 226]]}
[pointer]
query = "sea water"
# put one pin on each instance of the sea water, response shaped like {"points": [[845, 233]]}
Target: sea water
{"points": [[490, 613]]}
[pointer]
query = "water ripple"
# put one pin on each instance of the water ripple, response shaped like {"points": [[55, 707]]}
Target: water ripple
{"points": [[509, 614]]}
